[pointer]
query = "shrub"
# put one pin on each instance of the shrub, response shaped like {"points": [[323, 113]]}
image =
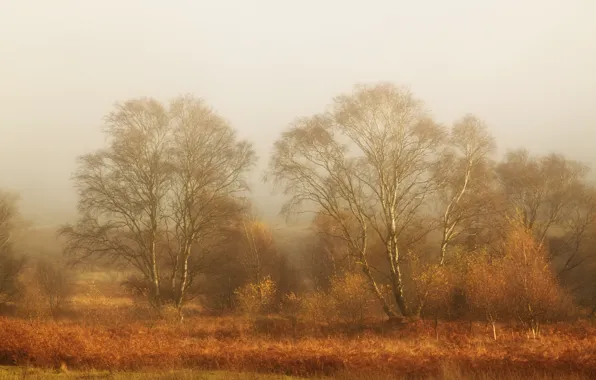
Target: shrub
{"points": [[55, 285], [32, 303], [533, 293], [11, 267], [519, 284], [435, 286], [353, 299], [318, 308], [486, 288], [291, 306], [256, 299]]}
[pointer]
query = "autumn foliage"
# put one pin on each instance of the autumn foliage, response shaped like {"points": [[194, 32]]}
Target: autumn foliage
{"points": [[516, 285]]}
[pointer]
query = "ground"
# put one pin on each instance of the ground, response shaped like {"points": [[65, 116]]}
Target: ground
{"points": [[106, 330], [14, 373]]}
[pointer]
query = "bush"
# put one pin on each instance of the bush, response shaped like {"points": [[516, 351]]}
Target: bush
{"points": [[318, 308], [435, 287], [55, 285], [11, 267], [32, 303], [353, 299], [486, 289], [291, 305], [533, 293], [519, 284], [257, 299], [140, 288], [348, 300]]}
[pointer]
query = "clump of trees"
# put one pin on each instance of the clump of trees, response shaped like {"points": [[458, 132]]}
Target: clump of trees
{"points": [[372, 165], [411, 218], [162, 195], [32, 287], [418, 208]]}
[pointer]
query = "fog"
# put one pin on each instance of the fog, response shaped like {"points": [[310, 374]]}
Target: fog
{"points": [[526, 67]]}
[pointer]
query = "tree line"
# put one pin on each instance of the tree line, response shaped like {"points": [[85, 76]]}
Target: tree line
{"points": [[414, 217]]}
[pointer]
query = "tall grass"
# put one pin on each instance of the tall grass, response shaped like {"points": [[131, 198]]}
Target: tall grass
{"points": [[448, 373], [228, 344]]}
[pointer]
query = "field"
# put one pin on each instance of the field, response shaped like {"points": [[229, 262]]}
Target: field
{"points": [[14, 373], [105, 334], [231, 344]]}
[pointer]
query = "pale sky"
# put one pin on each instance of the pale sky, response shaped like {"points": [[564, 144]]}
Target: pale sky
{"points": [[527, 67]]}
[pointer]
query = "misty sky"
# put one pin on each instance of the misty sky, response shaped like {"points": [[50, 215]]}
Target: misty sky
{"points": [[527, 67]]}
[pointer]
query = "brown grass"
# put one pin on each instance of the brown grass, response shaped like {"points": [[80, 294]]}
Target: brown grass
{"points": [[229, 344], [104, 329]]}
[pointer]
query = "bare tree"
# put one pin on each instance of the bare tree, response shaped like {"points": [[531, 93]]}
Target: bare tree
{"points": [[55, 284], [366, 165], [464, 197], [11, 265], [464, 178], [160, 192], [573, 247], [540, 188], [122, 190], [8, 213], [209, 163], [330, 255], [259, 253], [558, 205]]}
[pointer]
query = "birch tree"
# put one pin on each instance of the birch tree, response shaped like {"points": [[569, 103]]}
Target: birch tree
{"points": [[573, 247], [259, 254], [162, 190], [209, 164], [365, 164], [464, 177], [122, 191]]}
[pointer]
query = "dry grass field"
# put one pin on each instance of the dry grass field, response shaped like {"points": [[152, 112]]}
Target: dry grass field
{"points": [[106, 334], [14, 373], [232, 344]]}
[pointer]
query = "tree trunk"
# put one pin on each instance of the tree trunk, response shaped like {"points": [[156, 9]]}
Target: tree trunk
{"points": [[155, 295], [398, 293], [183, 281], [156, 301], [173, 287], [396, 277], [443, 250], [376, 291]]}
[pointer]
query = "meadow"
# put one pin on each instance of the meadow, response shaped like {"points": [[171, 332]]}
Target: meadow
{"points": [[114, 337]]}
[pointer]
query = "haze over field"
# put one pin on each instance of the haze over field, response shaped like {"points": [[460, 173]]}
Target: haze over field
{"points": [[528, 68]]}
